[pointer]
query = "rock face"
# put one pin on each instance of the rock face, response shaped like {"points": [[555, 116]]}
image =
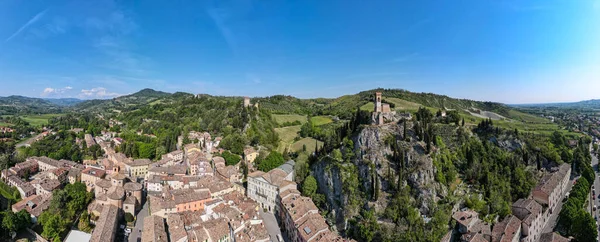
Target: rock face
{"points": [[372, 152]]}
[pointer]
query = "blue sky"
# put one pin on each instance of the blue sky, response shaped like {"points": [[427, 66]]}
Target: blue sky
{"points": [[510, 51]]}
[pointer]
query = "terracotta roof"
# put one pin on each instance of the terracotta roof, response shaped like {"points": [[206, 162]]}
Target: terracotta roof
{"points": [[94, 172], [473, 237], [106, 224], [132, 186], [176, 227], [553, 237], [311, 225], [139, 162], [506, 230], [176, 169], [103, 183], [534, 209], [466, 217], [154, 230], [550, 181], [116, 193]]}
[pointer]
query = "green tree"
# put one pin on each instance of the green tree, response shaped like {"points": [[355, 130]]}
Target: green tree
{"points": [[584, 228], [129, 217], [231, 159], [309, 186], [272, 161]]}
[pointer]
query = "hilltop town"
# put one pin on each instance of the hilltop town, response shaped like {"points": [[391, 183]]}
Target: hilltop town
{"points": [[190, 194], [203, 168]]}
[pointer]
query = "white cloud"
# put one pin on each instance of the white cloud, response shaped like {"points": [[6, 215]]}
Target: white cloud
{"points": [[55, 92], [97, 92]]}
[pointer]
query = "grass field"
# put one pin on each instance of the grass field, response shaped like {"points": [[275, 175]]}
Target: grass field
{"points": [[282, 118], [38, 120], [528, 118], [545, 128], [321, 120], [5, 124], [287, 135], [400, 105], [309, 142]]}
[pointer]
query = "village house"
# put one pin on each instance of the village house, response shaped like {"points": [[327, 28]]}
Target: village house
{"points": [[34, 205], [137, 168], [532, 217], [154, 230], [177, 201], [24, 188], [466, 220], [177, 170], [264, 187], [74, 175], [90, 176], [300, 218], [45, 186], [229, 173], [509, 230], [552, 187], [59, 174], [250, 154], [28, 166]]}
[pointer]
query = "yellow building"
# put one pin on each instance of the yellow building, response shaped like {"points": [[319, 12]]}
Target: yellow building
{"points": [[250, 154]]}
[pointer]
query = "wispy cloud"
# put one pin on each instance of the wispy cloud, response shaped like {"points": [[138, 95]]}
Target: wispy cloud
{"points": [[33, 20], [219, 17], [110, 37], [97, 92]]}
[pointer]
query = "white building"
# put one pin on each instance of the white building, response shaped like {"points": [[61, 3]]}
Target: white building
{"points": [[264, 187]]}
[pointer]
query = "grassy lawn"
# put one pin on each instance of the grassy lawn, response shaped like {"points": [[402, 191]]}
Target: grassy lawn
{"points": [[321, 120], [5, 124], [309, 142], [287, 135], [282, 118]]}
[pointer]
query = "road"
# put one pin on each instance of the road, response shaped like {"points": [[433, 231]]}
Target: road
{"points": [[596, 185], [135, 235], [270, 224]]}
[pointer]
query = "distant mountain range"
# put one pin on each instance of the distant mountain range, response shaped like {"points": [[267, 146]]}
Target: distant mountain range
{"points": [[277, 104]]}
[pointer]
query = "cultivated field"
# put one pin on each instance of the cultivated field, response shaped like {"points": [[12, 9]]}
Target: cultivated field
{"points": [[282, 118], [321, 120]]}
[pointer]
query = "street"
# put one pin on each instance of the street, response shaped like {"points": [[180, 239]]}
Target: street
{"points": [[596, 184], [270, 224], [135, 235]]}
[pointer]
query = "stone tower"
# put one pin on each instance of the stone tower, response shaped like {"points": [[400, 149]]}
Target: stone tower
{"points": [[378, 102], [246, 102]]}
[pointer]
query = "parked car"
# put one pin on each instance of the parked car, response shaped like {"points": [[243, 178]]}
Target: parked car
{"points": [[595, 207]]}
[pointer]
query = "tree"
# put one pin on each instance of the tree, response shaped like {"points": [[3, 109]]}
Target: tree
{"points": [[272, 161], [129, 217], [309, 186], [84, 222], [14, 222], [231, 159], [584, 228]]}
